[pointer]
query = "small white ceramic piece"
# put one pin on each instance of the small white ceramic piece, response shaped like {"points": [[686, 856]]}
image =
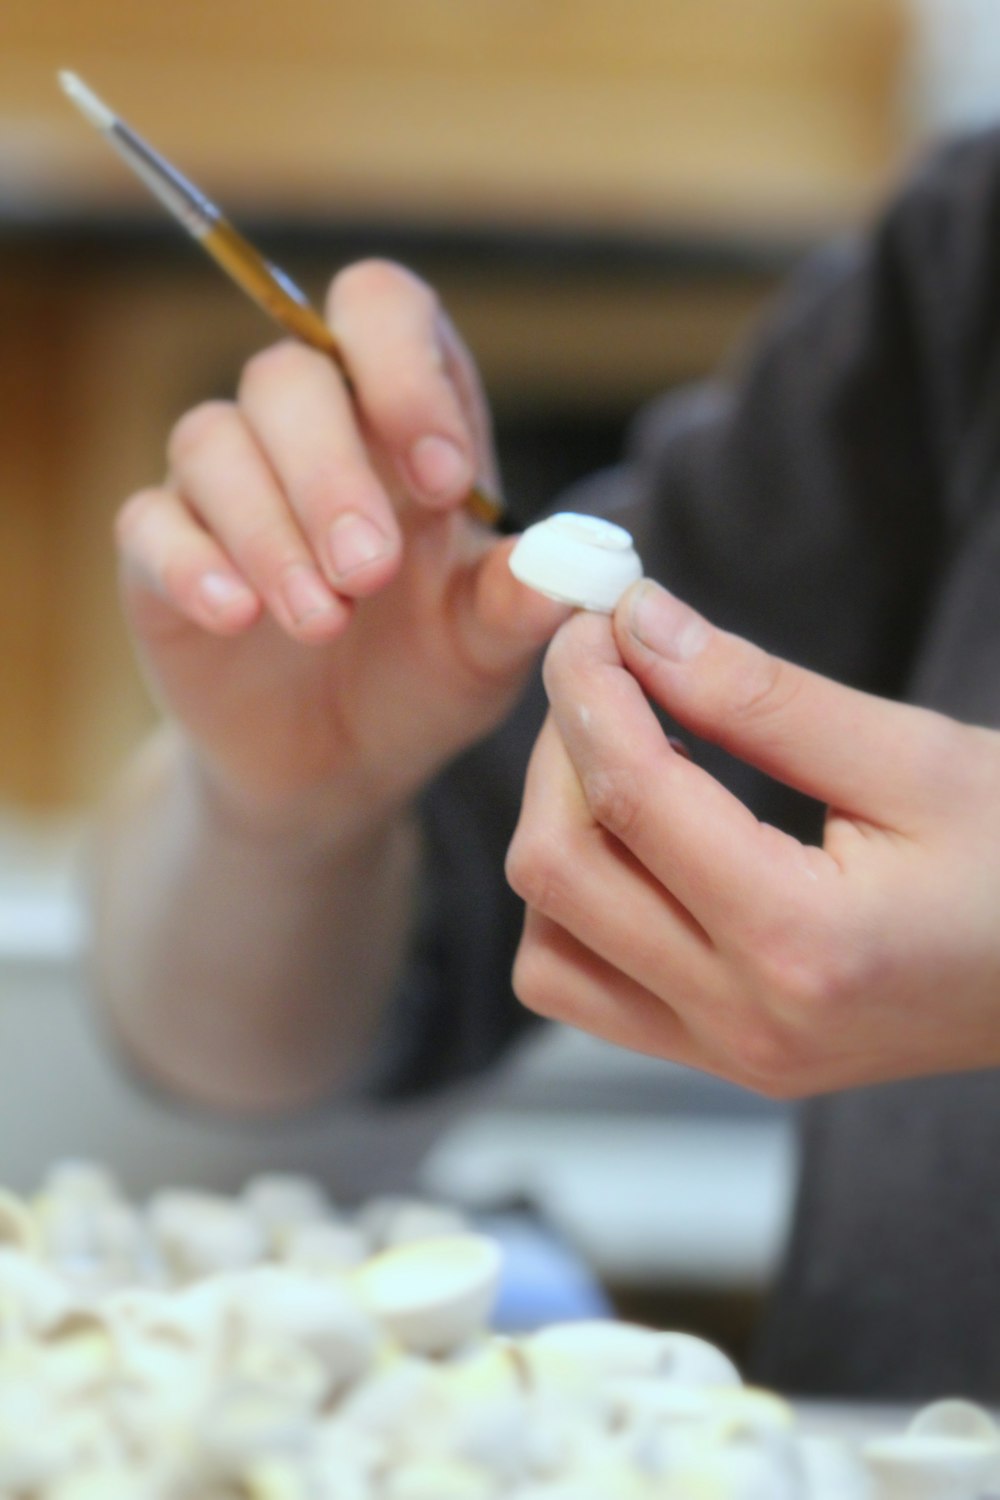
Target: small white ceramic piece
{"points": [[436, 1294], [33, 1451], [475, 1409], [610, 1348], [602, 1347], [323, 1247], [724, 1411], [33, 1297], [246, 1360], [383, 1403], [747, 1468], [80, 1364], [910, 1467], [607, 1479], [102, 1482], [282, 1201], [394, 1219], [246, 1421], [439, 1479], [321, 1315], [423, 1221], [86, 1181], [276, 1479], [200, 1233], [833, 1472], [687, 1360], [577, 559], [18, 1229], [955, 1419]]}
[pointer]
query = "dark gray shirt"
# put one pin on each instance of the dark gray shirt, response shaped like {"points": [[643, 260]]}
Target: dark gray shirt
{"points": [[837, 500]]}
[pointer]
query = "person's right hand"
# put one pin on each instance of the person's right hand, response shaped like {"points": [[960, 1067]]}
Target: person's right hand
{"points": [[308, 599]]}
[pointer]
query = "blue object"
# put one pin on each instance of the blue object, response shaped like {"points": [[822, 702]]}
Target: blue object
{"points": [[543, 1280]]}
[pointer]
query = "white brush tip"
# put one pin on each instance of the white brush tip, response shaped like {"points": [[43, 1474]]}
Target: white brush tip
{"points": [[86, 101]]}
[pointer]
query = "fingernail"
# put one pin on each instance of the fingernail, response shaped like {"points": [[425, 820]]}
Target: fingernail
{"points": [[355, 541], [305, 594], [665, 625], [221, 592], [439, 467]]}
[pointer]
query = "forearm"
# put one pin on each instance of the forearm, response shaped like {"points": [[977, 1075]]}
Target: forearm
{"points": [[243, 964]]}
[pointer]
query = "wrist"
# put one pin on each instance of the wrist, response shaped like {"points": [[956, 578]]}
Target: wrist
{"points": [[305, 826]]}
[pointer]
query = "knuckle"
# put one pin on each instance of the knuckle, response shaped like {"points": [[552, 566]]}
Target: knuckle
{"points": [[315, 490], [946, 755], [783, 1087], [561, 659], [268, 548], [197, 428], [277, 363], [179, 576], [534, 869], [615, 799], [378, 279], [768, 1057], [131, 518], [323, 489], [806, 974], [809, 983], [767, 688], [976, 769], [537, 983]]}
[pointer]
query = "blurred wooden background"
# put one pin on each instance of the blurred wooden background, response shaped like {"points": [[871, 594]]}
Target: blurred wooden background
{"points": [[605, 192], [642, 111]]}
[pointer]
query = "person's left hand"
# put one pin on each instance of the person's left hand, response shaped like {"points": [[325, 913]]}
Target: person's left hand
{"points": [[662, 915]]}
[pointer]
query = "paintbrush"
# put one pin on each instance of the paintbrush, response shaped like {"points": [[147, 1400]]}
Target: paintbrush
{"points": [[265, 283]]}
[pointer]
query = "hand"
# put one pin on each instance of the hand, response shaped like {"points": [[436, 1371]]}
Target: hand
{"points": [[663, 916], [308, 599]]}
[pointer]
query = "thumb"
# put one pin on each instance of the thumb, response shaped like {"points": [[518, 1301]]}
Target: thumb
{"points": [[858, 753], [504, 623]]}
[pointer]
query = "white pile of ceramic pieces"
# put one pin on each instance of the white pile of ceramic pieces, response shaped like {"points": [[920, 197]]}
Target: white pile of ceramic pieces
{"points": [[267, 1348]]}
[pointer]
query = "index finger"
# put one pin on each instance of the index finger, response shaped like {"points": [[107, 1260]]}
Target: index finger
{"points": [[731, 871], [388, 325]]}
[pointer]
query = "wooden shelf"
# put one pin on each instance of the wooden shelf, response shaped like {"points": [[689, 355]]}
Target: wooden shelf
{"points": [[649, 113]]}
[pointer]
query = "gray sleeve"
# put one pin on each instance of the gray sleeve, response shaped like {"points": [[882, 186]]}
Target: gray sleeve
{"points": [[811, 500]]}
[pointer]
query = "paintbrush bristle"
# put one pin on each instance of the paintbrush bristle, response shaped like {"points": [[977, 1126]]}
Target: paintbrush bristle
{"points": [[86, 101]]}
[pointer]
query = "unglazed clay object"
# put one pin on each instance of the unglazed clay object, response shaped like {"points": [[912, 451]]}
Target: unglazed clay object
{"points": [[282, 1201], [436, 1294], [439, 1479], [323, 1247], [955, 1419], [743, 1468], [612, 1348], [18, 1229], [475, 1409], [577, 559], [687, 1360], [722, 1411], [33, 1297], [384, 1403], [200, 1233], [85, 1181], [912, 1467], [422, 1221], [321, 1315], [210, 1348], [393, 1219], [608, 1478], [832, 1472]]}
